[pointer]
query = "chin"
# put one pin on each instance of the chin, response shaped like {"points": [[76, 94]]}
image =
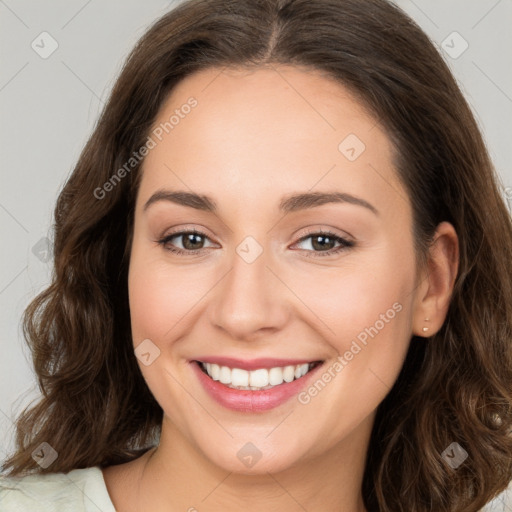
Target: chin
{"points": [[252, 458]]}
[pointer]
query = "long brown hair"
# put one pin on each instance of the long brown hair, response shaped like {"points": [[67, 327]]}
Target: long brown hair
{"points": [[96, 408]]}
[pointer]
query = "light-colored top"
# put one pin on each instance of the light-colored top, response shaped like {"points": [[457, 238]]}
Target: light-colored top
{"points": [[79, 490], [84, 490]]}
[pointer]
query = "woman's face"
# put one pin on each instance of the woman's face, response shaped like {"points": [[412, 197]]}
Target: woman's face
{"points": [[264, 283]]}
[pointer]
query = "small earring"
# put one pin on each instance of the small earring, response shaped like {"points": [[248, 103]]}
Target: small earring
{"points": [[425, 329]]}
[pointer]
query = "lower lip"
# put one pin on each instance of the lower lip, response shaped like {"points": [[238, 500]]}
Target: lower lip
{"points": [[243, 400]]}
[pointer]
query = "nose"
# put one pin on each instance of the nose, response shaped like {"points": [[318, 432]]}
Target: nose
{"points": [[251, 301]]}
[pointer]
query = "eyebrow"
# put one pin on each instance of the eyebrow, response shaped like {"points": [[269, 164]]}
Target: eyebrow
{"points": [[288, 204]]}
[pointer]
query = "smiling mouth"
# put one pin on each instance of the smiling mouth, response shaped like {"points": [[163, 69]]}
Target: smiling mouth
{"points": [[256, 380]]}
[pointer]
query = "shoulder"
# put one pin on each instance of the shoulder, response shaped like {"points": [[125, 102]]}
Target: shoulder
{"points": [[79, 490]]}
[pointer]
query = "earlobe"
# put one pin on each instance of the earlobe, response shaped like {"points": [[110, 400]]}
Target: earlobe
{"points": [[434, 294]]}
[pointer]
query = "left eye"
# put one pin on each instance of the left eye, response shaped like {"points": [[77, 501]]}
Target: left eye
{"points": [[323, 240]]}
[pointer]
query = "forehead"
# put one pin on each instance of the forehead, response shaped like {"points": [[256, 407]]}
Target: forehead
{"points": [[267, 132]]}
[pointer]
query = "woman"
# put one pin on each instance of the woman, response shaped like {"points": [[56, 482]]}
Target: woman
{"points": [[282, 278]]}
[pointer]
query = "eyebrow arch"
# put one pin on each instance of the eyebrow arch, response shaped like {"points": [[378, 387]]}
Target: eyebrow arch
{"points": [[288, 204]]}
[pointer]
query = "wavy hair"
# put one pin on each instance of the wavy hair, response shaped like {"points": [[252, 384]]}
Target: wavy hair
{"points": [[456, 386]]}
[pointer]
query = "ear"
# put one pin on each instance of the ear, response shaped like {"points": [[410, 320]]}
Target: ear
{"points": [[433, 294]]}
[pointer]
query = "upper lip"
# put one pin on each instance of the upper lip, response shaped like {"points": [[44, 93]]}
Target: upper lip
{"points": [[254, 364]]}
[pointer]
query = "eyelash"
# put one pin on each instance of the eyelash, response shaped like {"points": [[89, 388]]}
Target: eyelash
{"points": [[345, 244]]}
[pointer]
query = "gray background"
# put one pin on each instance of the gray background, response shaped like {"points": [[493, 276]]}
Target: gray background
{"points": [[49, 106]]}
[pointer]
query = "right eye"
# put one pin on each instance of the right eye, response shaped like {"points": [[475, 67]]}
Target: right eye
{"points": [[189, 238]]}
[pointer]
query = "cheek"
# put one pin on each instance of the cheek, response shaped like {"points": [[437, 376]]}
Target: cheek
{"points": [[148, 295], [165, 298], [369, 333], [364, 311], [161, 299], [364, 291]]}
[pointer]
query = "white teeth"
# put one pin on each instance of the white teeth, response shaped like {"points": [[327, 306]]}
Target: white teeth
{"points": [[289, 373], [258, 378], [239, 377], [275, 376], [214, 371], [301, 370], [225, 375], [255, 379]]}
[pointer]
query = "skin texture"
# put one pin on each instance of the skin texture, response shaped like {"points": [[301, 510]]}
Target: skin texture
{"points": [[253, 138]]}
